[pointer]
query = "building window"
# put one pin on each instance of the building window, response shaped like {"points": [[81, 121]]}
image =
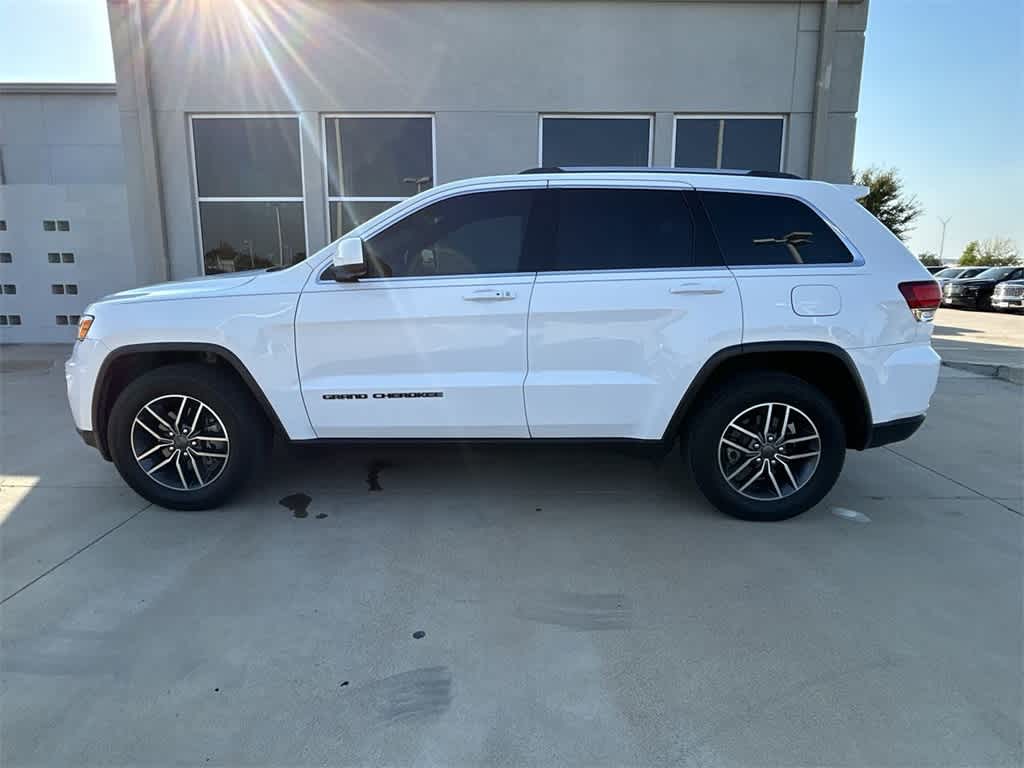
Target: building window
{"points": [[581, 140], [373, 162], [67, 258], [10, 288], [49, 225], [743, 143], [249, 193], [62, 319], [57, 289], [3, 225], [6, 257], [53, 258], [63, 225]]}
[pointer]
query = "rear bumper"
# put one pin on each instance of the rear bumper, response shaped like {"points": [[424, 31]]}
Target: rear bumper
{"points": [[961, 301], [893, 431], [899, 380]]}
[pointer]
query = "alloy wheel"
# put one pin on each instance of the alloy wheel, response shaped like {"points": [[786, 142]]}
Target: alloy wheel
{"points": [[769, 451], [180, 442]]}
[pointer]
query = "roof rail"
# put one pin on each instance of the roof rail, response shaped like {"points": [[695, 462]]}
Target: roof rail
{"points": [[646, 169]]}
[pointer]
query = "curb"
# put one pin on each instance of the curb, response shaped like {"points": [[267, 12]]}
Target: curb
{"points": [[1011, 373]]}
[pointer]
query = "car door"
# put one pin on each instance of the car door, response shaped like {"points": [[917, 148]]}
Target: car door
{"points": [[631, 301], [432, 343]]}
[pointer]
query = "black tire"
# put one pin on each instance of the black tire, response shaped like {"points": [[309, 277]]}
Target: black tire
{"points": [[709, 425], [238, 417]]}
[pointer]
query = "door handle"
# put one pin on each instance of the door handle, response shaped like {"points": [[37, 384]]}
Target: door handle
{"points": [[490, 294], [694, 289]]}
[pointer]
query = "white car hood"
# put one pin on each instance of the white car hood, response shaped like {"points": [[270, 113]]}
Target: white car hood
{"points": [[196, 286]]}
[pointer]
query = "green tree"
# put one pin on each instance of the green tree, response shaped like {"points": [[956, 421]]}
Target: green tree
{"points": [[998, 252], [929, 259], [971, 257], [888, 201], [994, 252]]}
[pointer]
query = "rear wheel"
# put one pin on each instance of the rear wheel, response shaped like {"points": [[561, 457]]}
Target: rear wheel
{"points": [[767, 447], [186, 436]]}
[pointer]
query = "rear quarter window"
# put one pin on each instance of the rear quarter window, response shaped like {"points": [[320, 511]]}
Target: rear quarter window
{"points": [[755, 230]]}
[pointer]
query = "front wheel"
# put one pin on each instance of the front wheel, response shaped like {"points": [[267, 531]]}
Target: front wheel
{"points": [[186, 436], [766, 447]]}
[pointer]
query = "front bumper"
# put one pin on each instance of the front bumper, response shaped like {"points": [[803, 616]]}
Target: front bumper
{"points": [[80, 373], [1008, 302], [961, 300], [88, 437]]}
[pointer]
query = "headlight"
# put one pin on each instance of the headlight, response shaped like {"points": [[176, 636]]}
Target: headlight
{"points": [[84, 325]]}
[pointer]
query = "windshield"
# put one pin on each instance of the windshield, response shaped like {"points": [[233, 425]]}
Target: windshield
{"points": [[948, 272], [996, 273]]}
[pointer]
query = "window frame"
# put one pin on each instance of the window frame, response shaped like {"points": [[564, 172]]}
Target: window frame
{"points": [[648, 116], [858, 258], [329, 198], [197, 200], [722, 117]]}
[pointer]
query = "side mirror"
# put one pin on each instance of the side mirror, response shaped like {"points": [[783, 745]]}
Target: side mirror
{"points": [[349, 264]]}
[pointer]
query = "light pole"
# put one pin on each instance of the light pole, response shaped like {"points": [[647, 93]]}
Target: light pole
{"points": [[942, 243], [418, 181]]}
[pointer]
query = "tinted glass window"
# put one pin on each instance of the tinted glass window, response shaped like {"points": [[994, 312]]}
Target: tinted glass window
{"points": [[250, 157], [578, 141], [948, 272], [379, 156], [697, 143], [997, 273], [240, 236], [754, 144], [471, 234], [769, 229], [728, 142], [346, 215], [622, 229]]}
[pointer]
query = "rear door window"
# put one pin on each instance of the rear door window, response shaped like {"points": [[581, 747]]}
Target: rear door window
{"points": [[621, 229], [755, 230]]}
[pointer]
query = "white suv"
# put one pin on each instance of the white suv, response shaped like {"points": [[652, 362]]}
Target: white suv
{"points": [[768, 322]]}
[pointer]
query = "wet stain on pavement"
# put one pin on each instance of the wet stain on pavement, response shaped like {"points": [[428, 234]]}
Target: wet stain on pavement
{"points": [[419, 634], [321, 516], [579, 611], [373, 474], [420, 694], [298, 503]]}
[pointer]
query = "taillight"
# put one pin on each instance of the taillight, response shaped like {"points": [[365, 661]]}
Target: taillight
{"points": [[923, 297]]}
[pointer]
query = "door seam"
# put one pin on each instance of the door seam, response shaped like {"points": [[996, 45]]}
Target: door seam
{"points": [[526, 373]]}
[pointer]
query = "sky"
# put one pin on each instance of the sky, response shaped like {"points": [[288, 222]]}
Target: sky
{"points": [[942, 99]]}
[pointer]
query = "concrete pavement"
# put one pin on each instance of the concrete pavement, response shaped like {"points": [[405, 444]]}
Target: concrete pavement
{"points": [[987, 338], [580, 606]]}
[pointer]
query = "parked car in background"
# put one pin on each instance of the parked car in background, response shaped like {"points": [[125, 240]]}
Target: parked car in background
{"points": [[976, 292], [957, 273], [935, 270], [1009, 295]]}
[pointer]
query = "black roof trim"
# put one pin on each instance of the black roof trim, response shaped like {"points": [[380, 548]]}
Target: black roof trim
{"points": [[645, 169]]}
